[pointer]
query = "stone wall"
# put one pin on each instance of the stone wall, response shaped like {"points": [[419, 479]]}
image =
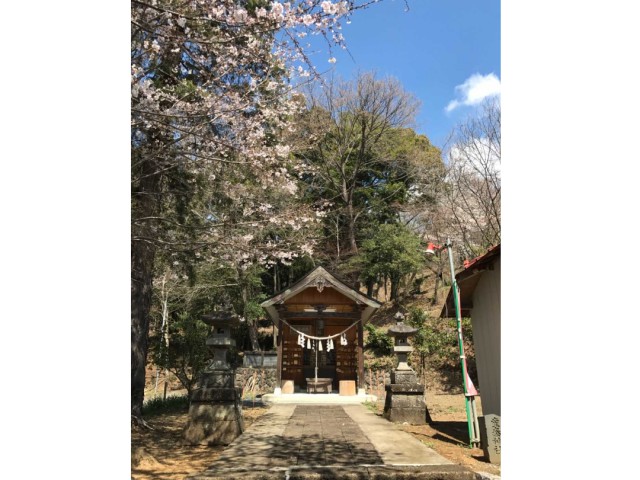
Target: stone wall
{"points": [[255, 381], [260, 380], [260, 359], [375, 381]]}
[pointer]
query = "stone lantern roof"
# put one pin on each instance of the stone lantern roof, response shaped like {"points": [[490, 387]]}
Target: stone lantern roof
{"points": [[221, 318], [401, 329]]}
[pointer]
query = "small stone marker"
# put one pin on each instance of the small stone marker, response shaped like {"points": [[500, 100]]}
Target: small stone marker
{"points": [[490, 437]]}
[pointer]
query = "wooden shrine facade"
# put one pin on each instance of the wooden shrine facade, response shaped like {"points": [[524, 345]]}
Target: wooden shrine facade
{"points": [[320, 305]]}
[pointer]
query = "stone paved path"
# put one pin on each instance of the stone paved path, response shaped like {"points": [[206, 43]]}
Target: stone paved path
{"points": [[326, 435], [327, 441]]}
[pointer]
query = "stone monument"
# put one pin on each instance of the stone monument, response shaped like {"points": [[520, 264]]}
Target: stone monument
{"points": [[404, 401], [215, 411], [490, 437]]}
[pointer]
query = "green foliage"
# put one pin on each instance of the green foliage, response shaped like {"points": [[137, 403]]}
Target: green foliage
{"points": [[369, 168], [467, 331], [172, 404], [435, 339], [280, 276], [371, 406], [252, 308], [387, 362], [391, 252], [402, 167], [436, 342], [427, 341], [378, 341], [185, 352]]}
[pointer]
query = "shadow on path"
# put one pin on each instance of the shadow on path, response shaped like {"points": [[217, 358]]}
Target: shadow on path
{"points": [[313, 436], [313, 442]]}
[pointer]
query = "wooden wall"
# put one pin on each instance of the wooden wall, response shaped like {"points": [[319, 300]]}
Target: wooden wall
{"points": [[485, 320]]}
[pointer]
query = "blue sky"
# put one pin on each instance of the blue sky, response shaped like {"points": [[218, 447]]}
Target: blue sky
{"points": [[432, 48]]}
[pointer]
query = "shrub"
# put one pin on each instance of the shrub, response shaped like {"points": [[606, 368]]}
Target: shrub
{"points": [[387, 363], [172, 404], [378, 341]]}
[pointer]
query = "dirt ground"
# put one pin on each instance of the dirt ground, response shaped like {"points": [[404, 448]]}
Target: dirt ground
{"points": [[160, 455], [448, 434]]}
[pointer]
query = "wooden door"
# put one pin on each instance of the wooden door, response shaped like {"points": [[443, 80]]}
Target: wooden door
{"points": [[346, 355], [291, 357]]}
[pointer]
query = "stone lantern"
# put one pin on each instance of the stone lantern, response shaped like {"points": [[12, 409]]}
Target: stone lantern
{"points": [[219, 339], [215, 411], [401, 333], [404, 401]]}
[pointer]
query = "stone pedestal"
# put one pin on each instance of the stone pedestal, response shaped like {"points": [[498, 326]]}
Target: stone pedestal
{"points": [[215, 413], [404, 401], [404, 377]]}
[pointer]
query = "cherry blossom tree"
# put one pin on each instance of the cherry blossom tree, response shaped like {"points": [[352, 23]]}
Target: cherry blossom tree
{"points": [[473, 181], [210, 97]]}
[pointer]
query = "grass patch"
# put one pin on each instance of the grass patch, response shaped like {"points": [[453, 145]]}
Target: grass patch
{"points": [[172, 404], [371, 406]]}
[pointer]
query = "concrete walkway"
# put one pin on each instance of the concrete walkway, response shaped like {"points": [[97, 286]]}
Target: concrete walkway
{"points": [[317, 398], [328, 441]]}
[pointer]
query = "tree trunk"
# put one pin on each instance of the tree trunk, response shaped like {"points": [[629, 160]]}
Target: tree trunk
{"points": [[251, 323], [352, 228], [142, 258], [144, 205], [347, 197], [276, 288], [386, 295], [435, 284], [337, 239], [253, 335], [395, 285], [370, 284], [164, 330]]}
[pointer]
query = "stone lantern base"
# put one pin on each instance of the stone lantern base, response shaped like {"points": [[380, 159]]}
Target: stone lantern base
{"points": [[215, 412], [404, 401]]}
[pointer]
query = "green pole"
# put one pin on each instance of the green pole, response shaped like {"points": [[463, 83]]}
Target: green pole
{"points": [[463, 362]]}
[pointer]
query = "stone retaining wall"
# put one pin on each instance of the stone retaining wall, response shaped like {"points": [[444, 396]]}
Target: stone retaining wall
{"points": [[255, 381], [375, 381], [260, 380]]}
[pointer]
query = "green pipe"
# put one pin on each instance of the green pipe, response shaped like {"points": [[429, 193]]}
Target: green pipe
{"points": [[463, 363]]}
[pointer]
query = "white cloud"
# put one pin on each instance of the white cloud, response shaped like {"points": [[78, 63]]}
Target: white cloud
{"points": [[474, 90], [479, 155]]}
